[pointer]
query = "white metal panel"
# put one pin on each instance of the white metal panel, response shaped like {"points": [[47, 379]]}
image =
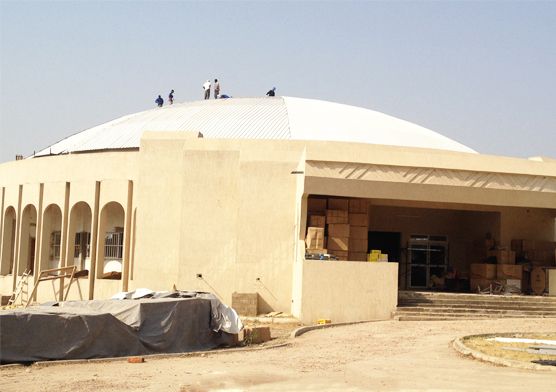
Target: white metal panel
{"points": [[258, 118]]}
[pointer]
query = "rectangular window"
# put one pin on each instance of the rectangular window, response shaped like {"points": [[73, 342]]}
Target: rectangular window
{"points": [[114, 245], [55, 241], [82, 245]]}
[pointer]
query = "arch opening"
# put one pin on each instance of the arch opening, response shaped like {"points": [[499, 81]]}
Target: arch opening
{"points": [[51, 238], [8, 241], [111, 241], [28, 240], [80, 233]]}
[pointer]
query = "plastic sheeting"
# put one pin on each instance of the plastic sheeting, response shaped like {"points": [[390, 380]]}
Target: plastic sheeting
{"points": [[109, 328], [223, 317]]}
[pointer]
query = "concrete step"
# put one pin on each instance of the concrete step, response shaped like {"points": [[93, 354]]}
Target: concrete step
{"points": [[471, 311], [427, 295], [478, 305], [491, 299], [440, 317]]}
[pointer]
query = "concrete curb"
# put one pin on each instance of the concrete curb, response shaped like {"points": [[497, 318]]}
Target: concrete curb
{"points": [[460, 347], [193, 354], [301, 330]]}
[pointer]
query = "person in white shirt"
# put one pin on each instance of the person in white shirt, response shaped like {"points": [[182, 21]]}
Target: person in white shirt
{"points": [[206, 87]]}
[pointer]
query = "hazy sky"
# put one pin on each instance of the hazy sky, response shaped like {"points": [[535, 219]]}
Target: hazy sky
{"points": [[482, 73]]}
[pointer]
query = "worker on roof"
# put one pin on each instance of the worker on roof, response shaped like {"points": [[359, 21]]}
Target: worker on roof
{"points": [[171, 97], [271, 92], [159, 101], [206, 87], [216, 88]]}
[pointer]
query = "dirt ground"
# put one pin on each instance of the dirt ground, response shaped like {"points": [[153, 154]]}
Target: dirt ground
{"points": [[385, 356]]}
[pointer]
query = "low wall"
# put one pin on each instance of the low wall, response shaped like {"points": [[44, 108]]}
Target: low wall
{"points": [[345, 291]]}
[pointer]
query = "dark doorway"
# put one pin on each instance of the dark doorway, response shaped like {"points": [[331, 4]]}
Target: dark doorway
{"points": [[387, 242]]}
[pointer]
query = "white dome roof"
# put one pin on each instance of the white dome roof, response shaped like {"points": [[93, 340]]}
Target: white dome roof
{"points": [[258, 118]]}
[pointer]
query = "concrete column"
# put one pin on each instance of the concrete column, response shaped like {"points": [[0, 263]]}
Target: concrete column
{"points": [[17, 237], [94, 241], [64, 239], [2, 244], [38, 240], [127, 236]]}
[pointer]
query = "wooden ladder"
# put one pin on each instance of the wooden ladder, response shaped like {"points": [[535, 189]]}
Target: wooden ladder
{"points": [[22, 281]]}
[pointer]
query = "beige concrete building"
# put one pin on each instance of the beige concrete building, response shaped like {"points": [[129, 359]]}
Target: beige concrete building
{"points": [[214, 195]]}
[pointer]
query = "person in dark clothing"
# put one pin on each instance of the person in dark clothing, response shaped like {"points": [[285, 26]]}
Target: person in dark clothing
{"points": [[159, 101], [271, 93], [171, 97], [216, 88]]}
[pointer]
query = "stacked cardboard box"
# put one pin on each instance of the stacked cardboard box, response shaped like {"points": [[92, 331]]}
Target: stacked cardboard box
{"points": [[316, 205], [315, 239], [540, 253], [359, 229], [345, 223], [337, 224], [482, 276], [510, 275], [317, 221], [503, 256]]}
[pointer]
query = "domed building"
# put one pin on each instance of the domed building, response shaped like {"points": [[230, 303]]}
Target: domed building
{"points": [[237, 195]]}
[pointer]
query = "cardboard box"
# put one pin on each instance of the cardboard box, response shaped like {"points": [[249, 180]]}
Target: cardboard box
{"points": [[315, 238], [502, 256], [483, 271], [357, 245], [338, 243], [341, 254], [509, 271], [316, 205], [511, 283], [317, 221], [338, 204], [357, 256], [358, 206], [540, 256], [538, 245], [358, 219], [336, 216], [359, 232], [318, 251], [551, 282], [338, 230], [475, 283]]}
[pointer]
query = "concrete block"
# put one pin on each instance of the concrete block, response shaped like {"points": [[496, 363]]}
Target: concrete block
{"points": [[256, 335], [245, 304]]}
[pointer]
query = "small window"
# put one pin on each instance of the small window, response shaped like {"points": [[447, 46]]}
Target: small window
{"points": [[82, 245], [114, 245], [55, 241]]}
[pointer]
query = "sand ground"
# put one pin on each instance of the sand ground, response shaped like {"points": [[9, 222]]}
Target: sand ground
{"points": [[384, 356]]}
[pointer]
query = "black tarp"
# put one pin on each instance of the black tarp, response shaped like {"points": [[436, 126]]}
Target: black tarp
{"points": [[108, 328]]}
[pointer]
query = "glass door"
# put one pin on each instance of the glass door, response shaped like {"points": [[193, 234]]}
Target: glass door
{"points": [[427, 256]]}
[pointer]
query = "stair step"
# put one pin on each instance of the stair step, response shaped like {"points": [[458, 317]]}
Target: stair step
{"points": [[444, 318], [478, 306], [472, 310], [424, 295]]}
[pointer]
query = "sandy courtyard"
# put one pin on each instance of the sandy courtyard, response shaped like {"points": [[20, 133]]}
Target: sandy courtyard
{"points": [[386, 355]]}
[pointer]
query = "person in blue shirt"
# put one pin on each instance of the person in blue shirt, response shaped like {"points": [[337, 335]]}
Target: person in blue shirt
{"points": [[159, 101]]}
